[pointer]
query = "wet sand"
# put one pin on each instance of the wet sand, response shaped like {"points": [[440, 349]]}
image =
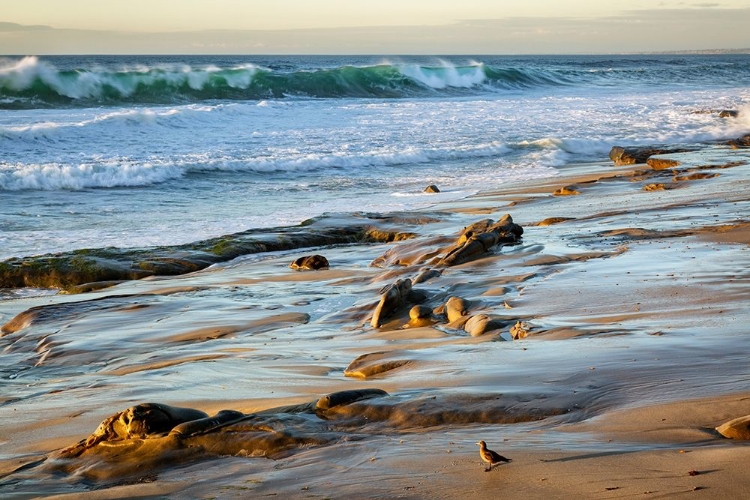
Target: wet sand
{"points": [[633, 298]]}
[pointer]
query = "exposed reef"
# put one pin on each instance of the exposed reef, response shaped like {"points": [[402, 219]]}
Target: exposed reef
{"points": [[69, 270], [151, 436]]}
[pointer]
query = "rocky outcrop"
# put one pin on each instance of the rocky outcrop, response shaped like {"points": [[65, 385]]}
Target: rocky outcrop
{"points": [[432, 188], [141, 421], [279, 432], [478, 239], [68, 270], [638, 155], [729, 113]]}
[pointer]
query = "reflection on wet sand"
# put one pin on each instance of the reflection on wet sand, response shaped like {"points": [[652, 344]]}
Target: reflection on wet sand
{"points": [[568, 329]]}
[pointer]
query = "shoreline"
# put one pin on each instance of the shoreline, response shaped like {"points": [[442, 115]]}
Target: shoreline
{"points": [[639, 344], [93, 268]]}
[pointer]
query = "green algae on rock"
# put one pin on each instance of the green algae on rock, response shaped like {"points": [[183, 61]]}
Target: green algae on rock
{"points": [[69, 270]]}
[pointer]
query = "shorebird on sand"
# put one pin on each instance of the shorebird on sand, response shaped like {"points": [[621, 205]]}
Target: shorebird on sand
{"points": [[490, 456]]}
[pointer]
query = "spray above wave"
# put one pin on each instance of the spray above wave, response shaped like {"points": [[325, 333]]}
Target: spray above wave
{"points": [[31, 83]]}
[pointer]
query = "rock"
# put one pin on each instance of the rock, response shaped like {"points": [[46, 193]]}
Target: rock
{"points": [[479, 238], [478, 227], [372, 364], [208, 424], [426, 275], [455, 308], [70, 269], [140, 421], [740, 142], [632, 156], [662, 163], [520, 330], [566, 191], [310, 263], [480, 324], [506, 225], [432, 188], [549, 221], [392, 298], [729, 113], [654, 187], [420, 312], [695, 176], [346, 397], [739, 428]]}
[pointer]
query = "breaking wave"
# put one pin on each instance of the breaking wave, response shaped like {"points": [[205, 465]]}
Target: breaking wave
{"points": [[32, 83]]}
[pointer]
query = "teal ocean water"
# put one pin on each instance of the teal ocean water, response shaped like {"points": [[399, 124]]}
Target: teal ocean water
{"points": [[142, 150]]}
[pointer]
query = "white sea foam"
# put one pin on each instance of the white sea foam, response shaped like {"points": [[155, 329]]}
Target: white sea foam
{"points": [[445, 75]]}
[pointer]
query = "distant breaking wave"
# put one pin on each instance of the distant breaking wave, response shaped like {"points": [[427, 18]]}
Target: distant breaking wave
{"points": [[31, 83], [126, 173]]}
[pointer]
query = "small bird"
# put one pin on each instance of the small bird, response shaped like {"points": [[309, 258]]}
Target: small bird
{"points": [[490, 456]]}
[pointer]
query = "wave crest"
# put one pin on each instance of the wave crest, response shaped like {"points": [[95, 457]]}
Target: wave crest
{"points": [[31, 82]]}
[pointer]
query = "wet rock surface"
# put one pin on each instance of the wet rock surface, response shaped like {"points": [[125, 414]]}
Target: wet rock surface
{"points": [[739, 428], [310, 263], [69, 270], [154, 436]]}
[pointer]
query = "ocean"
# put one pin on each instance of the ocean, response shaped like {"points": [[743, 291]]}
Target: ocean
{"points": [[133, 151]]}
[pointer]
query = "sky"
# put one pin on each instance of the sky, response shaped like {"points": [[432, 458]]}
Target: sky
{"points": [[370, 27]]}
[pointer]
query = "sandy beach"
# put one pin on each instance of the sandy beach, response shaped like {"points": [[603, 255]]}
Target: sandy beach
{"points": [[626, 293]]}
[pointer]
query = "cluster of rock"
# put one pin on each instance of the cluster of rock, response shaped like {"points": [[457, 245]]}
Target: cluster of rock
{"points": [[474, 242]]}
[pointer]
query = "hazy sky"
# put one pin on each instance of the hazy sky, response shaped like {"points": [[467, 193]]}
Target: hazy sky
{"points": [[371, 26]]}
